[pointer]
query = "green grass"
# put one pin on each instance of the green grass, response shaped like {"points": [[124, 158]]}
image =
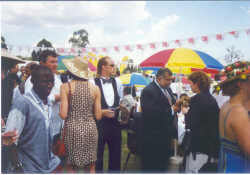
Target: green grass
{"points": [[134, 161]]}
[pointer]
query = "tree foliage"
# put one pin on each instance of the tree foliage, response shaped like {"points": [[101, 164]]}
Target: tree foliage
{"points": [[43, 44], [3, 44], [233, 55], [79, 38]]}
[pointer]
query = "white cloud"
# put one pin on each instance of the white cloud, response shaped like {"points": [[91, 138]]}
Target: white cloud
{"points": [[106, 22], [57, 14]]}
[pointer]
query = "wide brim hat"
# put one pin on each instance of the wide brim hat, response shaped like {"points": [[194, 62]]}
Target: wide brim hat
{"points": [[78, 67], [8, 58], [239, 70]]}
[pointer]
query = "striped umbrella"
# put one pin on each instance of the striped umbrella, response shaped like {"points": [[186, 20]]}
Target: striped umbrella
{"points": [[182, 61]]}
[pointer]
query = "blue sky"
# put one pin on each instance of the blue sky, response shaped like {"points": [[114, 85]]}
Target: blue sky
{"points": [[120, 23]]}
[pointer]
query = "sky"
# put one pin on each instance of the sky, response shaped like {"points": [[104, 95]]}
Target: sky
{"points": [[111, 23]]}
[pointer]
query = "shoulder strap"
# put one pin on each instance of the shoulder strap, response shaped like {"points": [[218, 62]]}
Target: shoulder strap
{"points": [[69, 89], [69, 96]]}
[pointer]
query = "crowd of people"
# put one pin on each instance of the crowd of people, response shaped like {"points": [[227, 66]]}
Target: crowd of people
{"points": [[39, 107]]}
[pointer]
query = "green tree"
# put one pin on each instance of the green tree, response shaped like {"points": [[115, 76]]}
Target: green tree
{"points": [[41, 44], [3, 44], [79, 38], [44, 43], [233, 55]]}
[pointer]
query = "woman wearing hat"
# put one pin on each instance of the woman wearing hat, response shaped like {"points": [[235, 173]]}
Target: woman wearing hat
{"points": [[80, 106], [234, 124]]}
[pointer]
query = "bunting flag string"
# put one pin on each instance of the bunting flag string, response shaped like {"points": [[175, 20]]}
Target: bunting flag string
{"points": [[135, 47]]}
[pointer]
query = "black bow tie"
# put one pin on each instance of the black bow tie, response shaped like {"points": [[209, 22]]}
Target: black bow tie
{"points": [[106, 80]]}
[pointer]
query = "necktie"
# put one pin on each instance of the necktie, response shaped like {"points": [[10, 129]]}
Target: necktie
{"points": [[170, 92], [168, 97], [106, 80]]}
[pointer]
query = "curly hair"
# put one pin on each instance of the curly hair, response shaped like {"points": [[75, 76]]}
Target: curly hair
{"points": [[230, 88], [203, 81]]}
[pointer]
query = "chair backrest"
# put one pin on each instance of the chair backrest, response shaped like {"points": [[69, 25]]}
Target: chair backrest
{"points": [[135, 133]]}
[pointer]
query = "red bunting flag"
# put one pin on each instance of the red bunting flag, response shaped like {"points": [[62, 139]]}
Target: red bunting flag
{"points": [[104, 49], [152, 45], [191, 40], [116, 48], [94, 49], [127, 47], [248, 31], [139, 46], [164, 44], [234, 33], [204, 38], [177, 42], [84, 50], [219, 37], [72, 50], [60, 50]]}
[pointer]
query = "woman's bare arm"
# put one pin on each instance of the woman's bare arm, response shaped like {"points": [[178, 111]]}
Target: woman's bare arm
{"points": [[64, 101], [240, 125], [97, 103]]}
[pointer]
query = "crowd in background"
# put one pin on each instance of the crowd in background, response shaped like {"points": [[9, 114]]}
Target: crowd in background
{"points": [[40, 106]]}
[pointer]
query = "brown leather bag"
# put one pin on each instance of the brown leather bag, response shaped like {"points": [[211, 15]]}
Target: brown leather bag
{"points": [[59, 148]]}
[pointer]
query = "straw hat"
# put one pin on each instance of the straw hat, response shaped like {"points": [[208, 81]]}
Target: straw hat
{"points": [[77, 66], [6, 57]]}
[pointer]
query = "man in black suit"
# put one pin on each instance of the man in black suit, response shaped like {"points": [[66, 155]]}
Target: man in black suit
{"points": [[109, 130], [158, 113]]}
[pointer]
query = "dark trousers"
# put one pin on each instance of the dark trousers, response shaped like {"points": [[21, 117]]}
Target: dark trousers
{"points": [[155, 157], [6, 162], [110, 134]]}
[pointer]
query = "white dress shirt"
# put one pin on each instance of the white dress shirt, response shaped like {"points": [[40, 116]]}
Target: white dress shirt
{"points": [[108, 90], [181, 127]]}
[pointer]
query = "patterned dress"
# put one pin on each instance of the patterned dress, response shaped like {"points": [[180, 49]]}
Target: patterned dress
{"points": [[81, 134]]}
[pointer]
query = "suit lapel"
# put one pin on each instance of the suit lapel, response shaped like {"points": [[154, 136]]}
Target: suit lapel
{"points": [[162, 96]]}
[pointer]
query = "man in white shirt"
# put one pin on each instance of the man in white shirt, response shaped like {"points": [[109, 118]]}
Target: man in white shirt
{"points": [[48, 58], [109, 129]]}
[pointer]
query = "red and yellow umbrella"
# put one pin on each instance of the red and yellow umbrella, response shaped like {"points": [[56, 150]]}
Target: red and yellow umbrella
{"points": [[183, 61]]}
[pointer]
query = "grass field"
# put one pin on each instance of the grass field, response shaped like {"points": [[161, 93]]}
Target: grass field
{"points": [[134, 161]]}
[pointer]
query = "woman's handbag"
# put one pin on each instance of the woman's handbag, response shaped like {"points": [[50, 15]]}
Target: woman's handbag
{"points": [[59, 146]]}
